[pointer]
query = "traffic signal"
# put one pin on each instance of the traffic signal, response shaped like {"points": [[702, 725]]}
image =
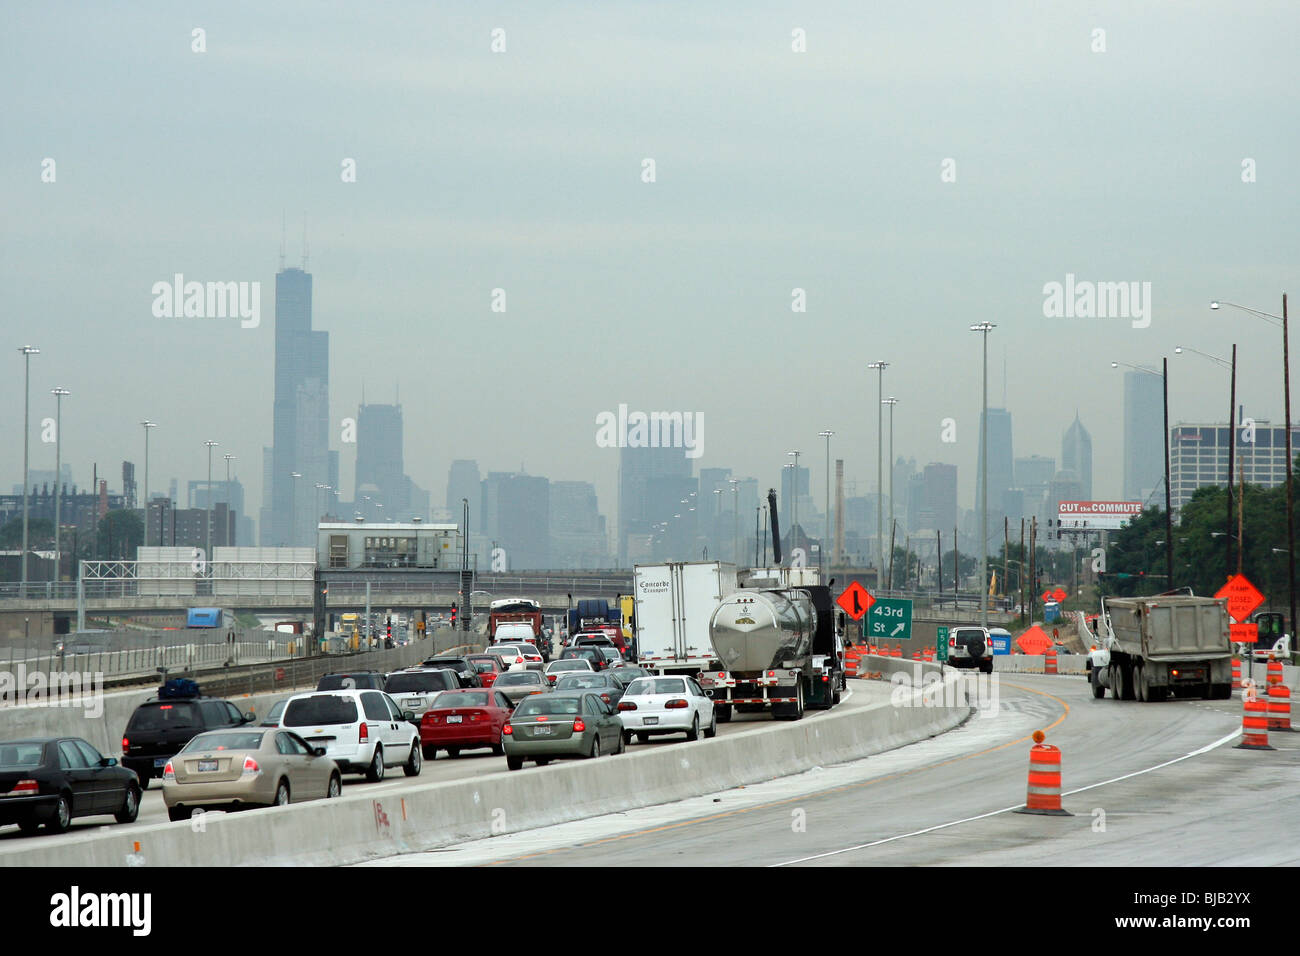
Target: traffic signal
{"points": [[453, 613], [390, 628]]}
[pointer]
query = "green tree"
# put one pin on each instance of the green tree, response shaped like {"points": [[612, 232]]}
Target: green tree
{"points": [[119, 534], [40, 534]]}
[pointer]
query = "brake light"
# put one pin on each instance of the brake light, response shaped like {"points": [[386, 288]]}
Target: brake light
{"points": [[23, 788], [519, 660], [626, 705], [364, 734], [677, 703], [507, 729], [250, 766], [579, 726], [551, 678], [825, 678], [605, 698], [952, 642], [125, 744], [169, 772], [165, 707]]}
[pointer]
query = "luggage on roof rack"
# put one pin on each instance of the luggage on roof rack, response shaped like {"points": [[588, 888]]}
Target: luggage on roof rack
{"points": [[178, 688]]}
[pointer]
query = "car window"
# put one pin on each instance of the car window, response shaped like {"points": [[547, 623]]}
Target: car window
{"points": [[504, 701], [395, 712], [70, 757], [471, 699], [170, 716], [694, 687], [17, 756], [374, 706], [93, 756], [579, 682], [519, 679], [589, 705], [299, 745], [319, 710], [233, 714], [282, 744], [415, 682], [214, 715], [225, 740], [537, 706], [656, 685]]}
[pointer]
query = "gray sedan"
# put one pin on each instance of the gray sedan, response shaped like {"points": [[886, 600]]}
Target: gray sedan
{"points": [[520, 684], [574, 723]]}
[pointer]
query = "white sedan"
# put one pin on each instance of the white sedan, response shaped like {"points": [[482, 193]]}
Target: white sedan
{"points": [[666, 705]]}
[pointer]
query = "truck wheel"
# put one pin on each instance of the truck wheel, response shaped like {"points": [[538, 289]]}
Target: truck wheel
{"points": [[1115, 681], [1098, 689], [1127, 672], [1139, 683]]}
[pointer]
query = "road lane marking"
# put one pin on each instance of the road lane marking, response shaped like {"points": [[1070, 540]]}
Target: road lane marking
{"points": [[943, 826]]}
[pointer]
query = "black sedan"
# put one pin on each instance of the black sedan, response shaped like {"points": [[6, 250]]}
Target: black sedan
{"points": [[51, 780]]}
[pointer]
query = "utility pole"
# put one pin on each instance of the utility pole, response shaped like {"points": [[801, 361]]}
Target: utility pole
{"points": [[1021, 575], [984, 328], [1033, 578], [880, 459], [938, 549], [58, 392]]}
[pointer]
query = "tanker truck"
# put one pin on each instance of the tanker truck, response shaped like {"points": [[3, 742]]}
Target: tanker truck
{"points": [[774, 648]]}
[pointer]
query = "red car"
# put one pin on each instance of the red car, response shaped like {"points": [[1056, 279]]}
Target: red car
{"points": [[464, 719], [487, 667]]}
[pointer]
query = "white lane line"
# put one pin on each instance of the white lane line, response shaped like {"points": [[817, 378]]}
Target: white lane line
{"points": [[943, 826]]}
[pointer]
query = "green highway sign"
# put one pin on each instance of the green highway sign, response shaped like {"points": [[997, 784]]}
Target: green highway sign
{"points": [[890, 619], [941, 643]]}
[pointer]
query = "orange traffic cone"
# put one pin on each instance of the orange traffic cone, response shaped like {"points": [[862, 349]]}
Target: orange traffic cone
{"points": [[1279, 708], [1044, 796], [1049, 661], [1254, 725]]}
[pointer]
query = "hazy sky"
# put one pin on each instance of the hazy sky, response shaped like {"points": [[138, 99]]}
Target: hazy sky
{"points": [[522, 170]]}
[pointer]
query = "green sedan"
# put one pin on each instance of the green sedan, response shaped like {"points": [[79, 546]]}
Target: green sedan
{"points": [[574, 723]]}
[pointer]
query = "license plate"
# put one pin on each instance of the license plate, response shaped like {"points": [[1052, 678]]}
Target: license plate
{"points": [[207, 765], [542, 731], [160, 761], [455, 719], [652, 720]]}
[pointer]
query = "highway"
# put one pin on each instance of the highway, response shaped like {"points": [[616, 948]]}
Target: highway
{"points": [[1148, 784], [471, 763]]}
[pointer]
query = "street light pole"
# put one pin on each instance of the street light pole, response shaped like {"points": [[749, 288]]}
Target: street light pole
{"points": [[984, 328], [207, 552], [735, 519], [148, 425], [827, 433], [229, 459], [880, 459], [794, 502], [28, 351], [58, 394], [293, 508], [893, 511]]}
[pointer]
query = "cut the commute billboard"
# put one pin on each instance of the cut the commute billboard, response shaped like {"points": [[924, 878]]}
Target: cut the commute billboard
{"points": [[1101, 515]]}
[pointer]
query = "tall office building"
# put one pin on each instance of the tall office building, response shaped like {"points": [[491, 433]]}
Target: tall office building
{"points": [[300, 434], [517, 517], [1198, 456], [380, 471], [1000, 469], [577, 528], [1076, 455], [940, 498], [651, 484], [1144, 446]]}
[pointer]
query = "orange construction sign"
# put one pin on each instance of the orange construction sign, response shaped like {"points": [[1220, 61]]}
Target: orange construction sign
{"points": [[1244, 633], [1034, 641], [856, 601], [1243, 597]]}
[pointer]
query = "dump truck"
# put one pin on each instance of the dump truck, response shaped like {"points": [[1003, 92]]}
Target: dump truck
{"points": [[1150, 648]]}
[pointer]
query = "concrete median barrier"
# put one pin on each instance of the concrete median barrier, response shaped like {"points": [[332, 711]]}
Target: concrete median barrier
{"points": [[371, 822]]}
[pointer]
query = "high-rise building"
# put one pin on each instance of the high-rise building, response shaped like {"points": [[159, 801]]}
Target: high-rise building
{"points": [[516, 513], [651, 484], [1144, 446], [940, 498], [1076, 455], [380, 471], [1198, 456], [1000, 469], [300, 433], [578, 538]]}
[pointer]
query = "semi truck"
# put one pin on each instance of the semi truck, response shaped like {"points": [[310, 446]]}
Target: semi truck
{"points": [[1151, 648], [515, 611], [597, 617], [777, 649], [673, 603]]}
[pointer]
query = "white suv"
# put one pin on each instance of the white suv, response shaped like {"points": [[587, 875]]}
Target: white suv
{"points": [[363, 731]]}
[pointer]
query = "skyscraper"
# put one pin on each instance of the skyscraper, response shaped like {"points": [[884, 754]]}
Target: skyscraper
{"points": [[1144, 447], [1076, 455], [517, 516], [380, 470], [1001, 475], [651, 484], [300, 435], [940, 497]]}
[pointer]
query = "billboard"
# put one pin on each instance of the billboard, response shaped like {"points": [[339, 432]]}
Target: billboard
{"points": [[1100, 515]]}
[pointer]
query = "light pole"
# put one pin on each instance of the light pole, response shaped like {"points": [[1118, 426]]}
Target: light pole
{"points": [[880, 464], [984, 328], [827, 433], [893, 511], [229, 459], [735, 519], [794, 501], [58, 394], [717, 512], [1232, 439], [1286, 398], [1169, 518], [293, 508], [28, 351], [207, 552], [148, 425]]}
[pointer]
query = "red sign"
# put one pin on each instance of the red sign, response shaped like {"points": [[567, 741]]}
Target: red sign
{"points": [[1060, 594], [1244, 633], [856, 601], [1034, 641], [1243, 597], [1047, 596]]}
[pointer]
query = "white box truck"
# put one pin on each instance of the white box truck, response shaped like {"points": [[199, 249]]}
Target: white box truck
{"points": [[674, 602]]}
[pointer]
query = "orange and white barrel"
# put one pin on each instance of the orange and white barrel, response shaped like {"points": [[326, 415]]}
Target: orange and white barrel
{"points": [[1236, 673], [1049, 661], [1279, 707], [1044, 792], [1254, 725]]}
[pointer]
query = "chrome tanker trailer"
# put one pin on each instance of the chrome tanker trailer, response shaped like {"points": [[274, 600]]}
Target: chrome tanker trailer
{"points": [[776, 648]]}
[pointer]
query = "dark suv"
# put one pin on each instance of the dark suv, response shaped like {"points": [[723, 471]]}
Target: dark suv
{"points": [[160, 727], [466, 673], [356, 680]]}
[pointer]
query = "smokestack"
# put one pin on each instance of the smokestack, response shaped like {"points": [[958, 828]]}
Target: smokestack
{"points": [[839, 512], [776, 528]]}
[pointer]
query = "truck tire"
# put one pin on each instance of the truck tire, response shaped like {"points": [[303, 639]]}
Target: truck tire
{"points": [[1129, 692], [1140, 682], [1115, 681], [1098, 689]]}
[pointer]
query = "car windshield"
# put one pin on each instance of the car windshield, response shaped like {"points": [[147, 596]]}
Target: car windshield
{"points": [[165, 716], [656, 685], [414, 683], [537, 707], [275, 712], [455, 664], [471, 699], [569, 665], [223, 741], [518, 678], [18, 756], [345, 681], [325, 709]]}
